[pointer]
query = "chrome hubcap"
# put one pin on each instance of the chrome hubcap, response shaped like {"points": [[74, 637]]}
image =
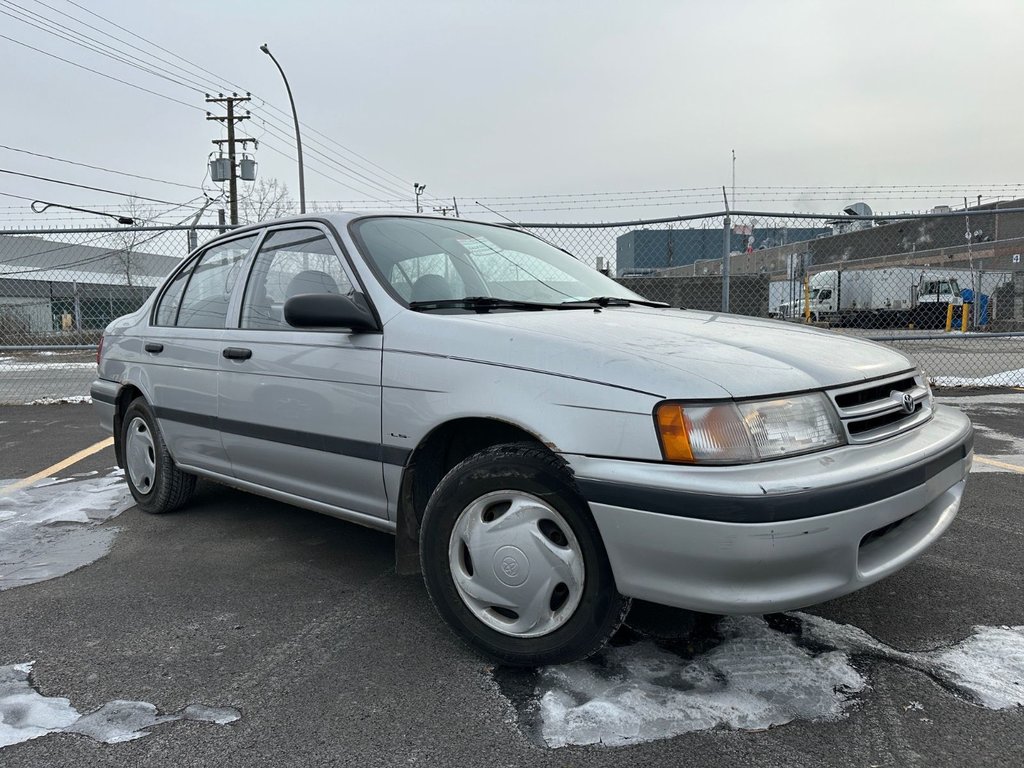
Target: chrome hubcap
{"points": [[140, 455], [516, 564]]}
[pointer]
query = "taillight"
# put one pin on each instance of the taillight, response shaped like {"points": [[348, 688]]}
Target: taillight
{"points": [[99, 351]]}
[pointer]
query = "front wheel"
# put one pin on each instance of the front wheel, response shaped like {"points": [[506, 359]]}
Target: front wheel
{"points": [[514, 562]]}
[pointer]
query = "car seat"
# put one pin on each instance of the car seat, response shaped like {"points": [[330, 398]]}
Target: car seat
{"points": [[431, 288]]}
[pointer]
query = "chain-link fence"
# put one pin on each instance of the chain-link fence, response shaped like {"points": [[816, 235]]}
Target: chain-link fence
{"points": [[59, 289], [945, 287]]}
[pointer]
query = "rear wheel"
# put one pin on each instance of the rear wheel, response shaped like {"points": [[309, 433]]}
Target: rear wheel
{"points": [[156, 483], [514, 562]]}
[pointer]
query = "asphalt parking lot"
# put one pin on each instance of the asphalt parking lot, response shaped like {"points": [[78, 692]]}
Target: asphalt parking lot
{"points": [[299, 623]]}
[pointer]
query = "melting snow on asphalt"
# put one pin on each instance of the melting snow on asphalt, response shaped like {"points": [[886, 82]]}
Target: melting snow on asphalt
{"points": [[52, 528], [26, 714], [760, 673]]}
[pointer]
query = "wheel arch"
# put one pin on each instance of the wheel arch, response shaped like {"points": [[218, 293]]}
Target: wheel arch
{"points": [[125, 396], [441, 449]]}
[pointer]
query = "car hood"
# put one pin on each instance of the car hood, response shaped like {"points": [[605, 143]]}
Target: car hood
{"points": [[663, 352]]}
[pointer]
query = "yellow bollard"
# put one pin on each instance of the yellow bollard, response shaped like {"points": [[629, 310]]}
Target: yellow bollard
{"points": [[807, 298], [949, 317], [963, 317]]}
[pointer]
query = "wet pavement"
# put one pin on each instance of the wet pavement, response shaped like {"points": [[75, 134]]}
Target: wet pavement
{"points": [[298, 622]]}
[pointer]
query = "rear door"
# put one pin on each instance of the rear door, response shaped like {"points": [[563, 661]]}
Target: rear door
{"points": [[300, 409], [183, 352]]}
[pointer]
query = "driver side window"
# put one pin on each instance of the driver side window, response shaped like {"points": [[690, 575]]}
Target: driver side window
{"points": [[291, 262]]}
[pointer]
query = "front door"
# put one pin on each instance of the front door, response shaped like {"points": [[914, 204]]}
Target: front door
{"points": [[300, 409]]}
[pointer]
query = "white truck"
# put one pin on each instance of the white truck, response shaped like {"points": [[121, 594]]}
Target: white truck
{"points": [[885, 297]]}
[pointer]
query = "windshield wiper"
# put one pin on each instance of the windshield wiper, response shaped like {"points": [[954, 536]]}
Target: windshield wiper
{"points": [[487, 303], [618, 301]]}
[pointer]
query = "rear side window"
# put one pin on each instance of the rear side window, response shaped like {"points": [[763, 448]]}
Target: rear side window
{"points": [[167, 312], [207, 293], [290, 262]]}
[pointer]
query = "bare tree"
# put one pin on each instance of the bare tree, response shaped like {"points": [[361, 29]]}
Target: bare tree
{"points": [[126, 241], [267, 199]]}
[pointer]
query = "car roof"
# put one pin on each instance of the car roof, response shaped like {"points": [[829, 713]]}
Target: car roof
{"points": [[341, 219]]}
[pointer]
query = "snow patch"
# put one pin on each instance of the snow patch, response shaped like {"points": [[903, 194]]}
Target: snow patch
{"points": [[1014, 378], [26, 714], [10, 364], [52, 528], [761, 673], [756, 678], [61, 400]]}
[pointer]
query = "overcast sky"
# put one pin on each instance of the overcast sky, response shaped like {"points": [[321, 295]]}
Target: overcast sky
{"points": [[489, 100]]}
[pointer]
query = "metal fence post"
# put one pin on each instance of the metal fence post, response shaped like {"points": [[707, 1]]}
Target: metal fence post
{"points": [[726, 247]]}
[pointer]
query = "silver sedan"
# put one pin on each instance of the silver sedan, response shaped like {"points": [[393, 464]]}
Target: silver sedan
{"points": [[544, 444]]}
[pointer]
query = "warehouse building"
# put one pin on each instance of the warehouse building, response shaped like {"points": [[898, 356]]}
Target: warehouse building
{"points": [[644, 251], [48, 286]]}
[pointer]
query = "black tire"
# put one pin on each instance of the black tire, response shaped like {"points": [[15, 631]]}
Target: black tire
{"points": [[167, 487], [522, 468]]}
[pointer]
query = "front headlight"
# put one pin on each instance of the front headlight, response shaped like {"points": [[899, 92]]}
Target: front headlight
{"points": [[738, 433]]}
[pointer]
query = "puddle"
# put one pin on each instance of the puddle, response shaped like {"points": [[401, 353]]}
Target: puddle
{"points": [[743, 673], [52, 528], [26, 714]]}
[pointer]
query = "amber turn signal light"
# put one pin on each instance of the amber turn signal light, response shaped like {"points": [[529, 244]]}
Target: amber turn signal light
{"points": [[673, 433]]}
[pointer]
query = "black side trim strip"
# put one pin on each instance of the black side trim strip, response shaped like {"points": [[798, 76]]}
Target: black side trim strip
{"points": [[101, 397], [342, 446], [771, 508]]}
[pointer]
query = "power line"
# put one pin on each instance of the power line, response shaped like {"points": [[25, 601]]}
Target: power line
{"points": [[122, 41], [179, 77], [98, 167], [218, 78], [101, 74], [75, 38], [338, 165], [85, 186], [313, 168]]}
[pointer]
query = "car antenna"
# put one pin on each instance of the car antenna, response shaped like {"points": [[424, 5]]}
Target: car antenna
{"points": [[517, 225]]}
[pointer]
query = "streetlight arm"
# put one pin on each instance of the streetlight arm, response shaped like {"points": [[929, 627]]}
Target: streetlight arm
{"points": [[298, 139]]}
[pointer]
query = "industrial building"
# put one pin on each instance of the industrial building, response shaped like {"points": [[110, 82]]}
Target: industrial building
{"points": [[644, 251], [48, 286]]}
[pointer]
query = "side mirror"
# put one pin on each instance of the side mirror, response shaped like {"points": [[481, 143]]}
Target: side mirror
{"points": [[328, 310]]}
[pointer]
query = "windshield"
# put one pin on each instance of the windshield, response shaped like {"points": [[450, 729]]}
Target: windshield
{"points": [[938, 287], [425, 260]]}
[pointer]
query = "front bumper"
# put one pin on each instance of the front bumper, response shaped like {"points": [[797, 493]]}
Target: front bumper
{"points": [[778, 535]]}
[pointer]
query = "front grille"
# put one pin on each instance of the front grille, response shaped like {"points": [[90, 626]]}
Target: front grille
{"points": [[872, 393], [876, 410]]}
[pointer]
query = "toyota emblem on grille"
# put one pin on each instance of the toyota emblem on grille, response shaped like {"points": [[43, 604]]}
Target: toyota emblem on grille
{"points": [[908, 403]]}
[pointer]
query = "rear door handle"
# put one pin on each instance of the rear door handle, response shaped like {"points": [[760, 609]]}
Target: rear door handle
{"points": [[237, 353], [153, 347]]}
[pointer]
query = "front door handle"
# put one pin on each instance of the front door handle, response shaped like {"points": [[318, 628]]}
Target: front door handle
{"points": [[152, 346], [237, 353]]}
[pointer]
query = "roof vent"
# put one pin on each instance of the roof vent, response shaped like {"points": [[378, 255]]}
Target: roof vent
{"points": [[857, 209]]}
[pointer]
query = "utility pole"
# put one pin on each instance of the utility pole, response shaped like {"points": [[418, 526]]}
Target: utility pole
{"points": [[230, 119], [444, 209]]}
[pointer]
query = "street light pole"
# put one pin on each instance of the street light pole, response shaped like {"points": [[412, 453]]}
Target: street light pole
{"points": [[298, 139]]}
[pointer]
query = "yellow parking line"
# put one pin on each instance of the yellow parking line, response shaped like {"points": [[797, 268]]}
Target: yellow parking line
{"points": [[63, 464], [1002, 464]]}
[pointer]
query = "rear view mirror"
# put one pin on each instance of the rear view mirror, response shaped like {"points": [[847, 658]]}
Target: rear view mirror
{"points": [[329, 310]]}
